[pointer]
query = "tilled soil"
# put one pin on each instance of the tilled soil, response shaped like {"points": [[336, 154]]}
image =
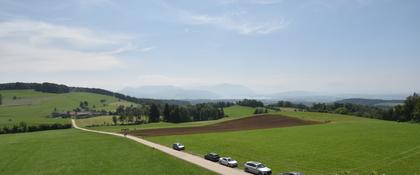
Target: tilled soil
{"points": [[248, 123]]}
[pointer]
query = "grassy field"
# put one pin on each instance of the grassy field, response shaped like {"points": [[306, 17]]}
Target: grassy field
{"points": [[233, 112], [238, 111], [346, 144], [35, 107], [76, 152]]}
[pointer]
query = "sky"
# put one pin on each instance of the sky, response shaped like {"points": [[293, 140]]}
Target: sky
{"points": [[342, 46]]}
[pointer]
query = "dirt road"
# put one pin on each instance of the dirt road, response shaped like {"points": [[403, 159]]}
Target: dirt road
{"points": [[215, 167]]}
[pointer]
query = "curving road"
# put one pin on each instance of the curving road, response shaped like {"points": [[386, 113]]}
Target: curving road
{"points": [[215, 167]]}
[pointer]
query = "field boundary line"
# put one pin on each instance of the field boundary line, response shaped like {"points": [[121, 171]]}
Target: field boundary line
{"points": [[214, 167]]}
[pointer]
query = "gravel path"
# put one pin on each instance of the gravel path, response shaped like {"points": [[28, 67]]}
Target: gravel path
{"points": [[215, 167]]}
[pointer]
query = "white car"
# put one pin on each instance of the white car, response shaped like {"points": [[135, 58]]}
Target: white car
{"points": [[227, 161]]}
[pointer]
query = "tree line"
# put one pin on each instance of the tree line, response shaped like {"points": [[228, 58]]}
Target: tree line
{"points": [[348, 109], [198, 112], [168, 113], [409, 111], [24, 127], [130, 114], [337, 108], [250, 103], [288, 104]]}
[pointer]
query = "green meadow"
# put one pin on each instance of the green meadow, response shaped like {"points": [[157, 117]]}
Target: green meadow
{"points": [[232, 112], [35, 107], [346, 144], [71, 151]]}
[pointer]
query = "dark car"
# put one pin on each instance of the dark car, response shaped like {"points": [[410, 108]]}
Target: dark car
{"points": [[212, 157], [178, 146]]}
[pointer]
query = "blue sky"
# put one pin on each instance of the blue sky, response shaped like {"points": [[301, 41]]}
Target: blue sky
{"points": [[343, 46]]}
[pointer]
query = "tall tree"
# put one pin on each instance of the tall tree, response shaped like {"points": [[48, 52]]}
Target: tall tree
{"points": [[154, 114], [166, 112], [115, 120]]}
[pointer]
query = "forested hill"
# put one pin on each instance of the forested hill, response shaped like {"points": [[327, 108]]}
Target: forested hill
{"points": [[59, 88], [371, 102]]}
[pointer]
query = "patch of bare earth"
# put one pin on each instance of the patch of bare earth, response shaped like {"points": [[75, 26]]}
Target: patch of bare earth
{"points": [[248, 123]]}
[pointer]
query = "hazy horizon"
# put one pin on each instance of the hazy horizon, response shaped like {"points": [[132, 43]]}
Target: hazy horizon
{"points": [[268, 46]]}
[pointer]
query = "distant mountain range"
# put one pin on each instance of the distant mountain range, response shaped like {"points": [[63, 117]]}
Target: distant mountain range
{"points": [[232, 91], [221, 91], [169, 92]]}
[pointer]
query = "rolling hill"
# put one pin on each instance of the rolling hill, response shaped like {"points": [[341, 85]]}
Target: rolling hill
{"points": [[345, 145], [371, 102], [73, 151], [35, 107]]}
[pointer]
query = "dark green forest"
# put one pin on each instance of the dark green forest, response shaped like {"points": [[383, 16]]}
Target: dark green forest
{"points": [[409, 111]]}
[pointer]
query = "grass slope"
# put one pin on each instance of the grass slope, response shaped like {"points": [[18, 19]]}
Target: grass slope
{"points": [[76, 152], [237, 111], [233, 112], [35, 107], [353, 144]]}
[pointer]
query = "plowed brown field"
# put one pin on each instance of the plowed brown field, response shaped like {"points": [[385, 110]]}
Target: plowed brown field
{"points": [[248, 123]]}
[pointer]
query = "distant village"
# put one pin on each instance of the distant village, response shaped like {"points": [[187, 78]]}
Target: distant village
{"points": [[83, 111]]}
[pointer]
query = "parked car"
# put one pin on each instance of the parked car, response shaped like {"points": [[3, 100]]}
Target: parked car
{"points": [[178, 146], [291, 173], [227, 161], [212, 157], [257, 168]]}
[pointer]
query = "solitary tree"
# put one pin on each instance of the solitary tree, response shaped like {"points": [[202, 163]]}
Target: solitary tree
{"points": [[154, 114], [130, 118], [122, 119], [114, 119]]}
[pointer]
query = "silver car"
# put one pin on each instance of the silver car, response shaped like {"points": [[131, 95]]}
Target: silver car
{"points": [[178, 146], [227, 161], [291, 173], [257, 168]]}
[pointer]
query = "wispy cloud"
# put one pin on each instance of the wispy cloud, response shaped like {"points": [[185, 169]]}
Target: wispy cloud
{"points": [[95, 3], [242, 26], [28, 58], [147, 49], [242, 22], [43, 33], [258, 2], [46, 47], [321, 5]]}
